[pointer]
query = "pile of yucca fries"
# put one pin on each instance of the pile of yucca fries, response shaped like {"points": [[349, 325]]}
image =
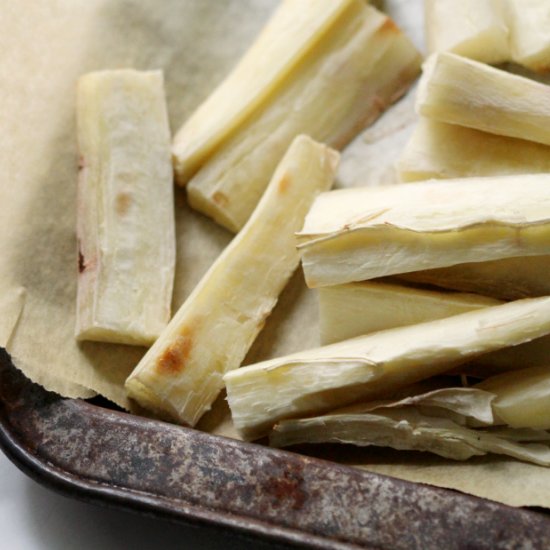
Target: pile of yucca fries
{"points": [[403, 365]]}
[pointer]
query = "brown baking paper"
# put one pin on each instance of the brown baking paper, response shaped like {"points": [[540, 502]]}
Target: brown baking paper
{"points": [[44, 47]]}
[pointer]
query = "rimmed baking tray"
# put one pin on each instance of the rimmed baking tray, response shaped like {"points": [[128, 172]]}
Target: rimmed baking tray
{"points": [[112, 458]]}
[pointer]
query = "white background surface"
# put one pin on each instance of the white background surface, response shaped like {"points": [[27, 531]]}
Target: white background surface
{"points": [[35, 518]]}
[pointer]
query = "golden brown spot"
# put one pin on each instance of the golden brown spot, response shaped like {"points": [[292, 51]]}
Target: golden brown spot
{"points": [[389, 26], [81, 263], [122, 203], [220, 199], [85, 263], [173, 359], [81, 162], [379, 104], [284, 183]]}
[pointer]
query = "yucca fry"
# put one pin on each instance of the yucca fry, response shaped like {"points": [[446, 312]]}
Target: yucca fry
{"points": [[506, 279], [354, 309], [342, 85], [406, 429], [440, 150], [529, 22], [461, 91], [373, 366], [181, 375], [365, 233], [472, 28], [522, 398], [125, 230], [293, 30]]}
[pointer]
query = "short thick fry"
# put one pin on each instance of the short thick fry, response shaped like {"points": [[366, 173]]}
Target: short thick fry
{"points": [[358, 68], [440, 150], [473, 28], [461, 91], [372, 367], [125, 227], [364, 233], [181, 375]]}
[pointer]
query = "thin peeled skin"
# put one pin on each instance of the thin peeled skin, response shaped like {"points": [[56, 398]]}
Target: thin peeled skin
{"points": [[406, 429], [470, 407]]}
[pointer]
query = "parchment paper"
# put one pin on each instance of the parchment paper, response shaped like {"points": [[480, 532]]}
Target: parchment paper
{"points": [[44, 47]]}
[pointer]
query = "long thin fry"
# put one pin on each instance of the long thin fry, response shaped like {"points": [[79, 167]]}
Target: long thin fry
{"points": [[373, 366], [355, 309], [343, 83], [181, 375], [293, 30]]}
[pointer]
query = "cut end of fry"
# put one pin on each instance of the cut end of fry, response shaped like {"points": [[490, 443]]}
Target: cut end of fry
{"points": [[529, 22], [461, 91], [471, 28]]}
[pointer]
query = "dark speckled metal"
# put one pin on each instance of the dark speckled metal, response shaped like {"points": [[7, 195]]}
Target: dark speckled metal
{"points": [[114, 458]]}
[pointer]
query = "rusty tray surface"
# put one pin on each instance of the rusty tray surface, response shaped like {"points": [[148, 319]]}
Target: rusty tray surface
{"points": [[113, 458]]}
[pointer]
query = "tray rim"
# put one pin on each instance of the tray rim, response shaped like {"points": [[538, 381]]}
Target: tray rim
{"points": [[64, 483]]}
